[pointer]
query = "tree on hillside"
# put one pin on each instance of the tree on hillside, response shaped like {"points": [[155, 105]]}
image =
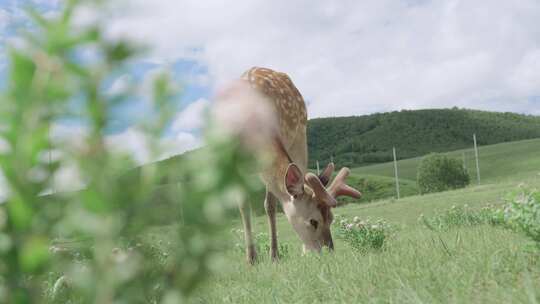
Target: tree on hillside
{"points": [[438, 172]]}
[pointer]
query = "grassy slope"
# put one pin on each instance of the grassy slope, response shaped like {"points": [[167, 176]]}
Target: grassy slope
{"points": [[500, 162], [375, 187], [483, 264]]}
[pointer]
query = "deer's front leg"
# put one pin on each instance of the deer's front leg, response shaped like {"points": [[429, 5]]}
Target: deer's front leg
{"points": [[245, 212], [270, 203]]}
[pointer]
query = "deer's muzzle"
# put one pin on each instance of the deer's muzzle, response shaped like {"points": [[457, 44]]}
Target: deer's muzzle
{"points": [[327, 240]]}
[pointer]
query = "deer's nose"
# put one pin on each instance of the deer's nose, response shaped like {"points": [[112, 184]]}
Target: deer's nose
{"points": [[328, 242]]}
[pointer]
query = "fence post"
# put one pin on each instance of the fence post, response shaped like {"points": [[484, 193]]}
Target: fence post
{"points": [[477, 161], [396, 173]]}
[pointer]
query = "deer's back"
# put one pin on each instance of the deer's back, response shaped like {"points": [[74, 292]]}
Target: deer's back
{"points": [[291, 117], [289, 106]]}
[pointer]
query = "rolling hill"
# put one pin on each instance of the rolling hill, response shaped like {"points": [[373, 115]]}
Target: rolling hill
{"points": [[414, 133], [363, 140], [499, 163]]}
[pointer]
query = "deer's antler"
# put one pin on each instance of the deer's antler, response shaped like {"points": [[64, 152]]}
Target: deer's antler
{"points": [[340, 188], [327, 174], [323, 196]]}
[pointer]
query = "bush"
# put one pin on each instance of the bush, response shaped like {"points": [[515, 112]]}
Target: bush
{"points": [[363, 235], [463, 217], [438, 172], [522, 212]]}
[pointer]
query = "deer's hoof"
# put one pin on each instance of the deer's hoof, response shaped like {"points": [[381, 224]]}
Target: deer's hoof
{"points": [[252, 255]]}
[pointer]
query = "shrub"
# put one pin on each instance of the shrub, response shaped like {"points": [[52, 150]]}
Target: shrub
{"points": [[438, 172], [363, 235], [522, 212], [463, 217]]}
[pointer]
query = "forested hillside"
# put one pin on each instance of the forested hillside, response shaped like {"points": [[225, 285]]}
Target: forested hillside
{"points": [[363, 140]]}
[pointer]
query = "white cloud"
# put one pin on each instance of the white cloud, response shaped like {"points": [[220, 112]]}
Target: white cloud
{"points": [[192, 117], [356, 57], [120, 85], [70, 136], [4, 19], [67, 178], [180, 143], [46, 2], [137, 144], [132, 142], [525, 79]]}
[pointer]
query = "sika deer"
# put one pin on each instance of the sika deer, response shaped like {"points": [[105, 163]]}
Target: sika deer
{"points": [[304, 197]]}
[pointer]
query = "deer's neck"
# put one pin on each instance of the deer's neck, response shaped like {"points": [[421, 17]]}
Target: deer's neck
{"points": [[274, 174]]}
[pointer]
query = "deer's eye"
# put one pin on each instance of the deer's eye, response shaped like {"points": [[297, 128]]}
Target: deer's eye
{"points": [[314, 223]]}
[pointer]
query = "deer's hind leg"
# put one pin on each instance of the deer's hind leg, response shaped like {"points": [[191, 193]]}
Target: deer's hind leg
{"points": [[270, 203], [245, 212]]}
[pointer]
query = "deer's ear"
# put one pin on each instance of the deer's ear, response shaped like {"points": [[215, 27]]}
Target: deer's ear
{"points": [[294, 181]]}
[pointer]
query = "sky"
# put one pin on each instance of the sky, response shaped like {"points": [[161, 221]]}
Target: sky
{"points": [[347, 57]]}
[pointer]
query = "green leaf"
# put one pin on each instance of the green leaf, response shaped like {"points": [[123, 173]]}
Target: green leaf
{"points": [[34, 254], [119, 51], [22, 73], [95, 202], [20, 213]]}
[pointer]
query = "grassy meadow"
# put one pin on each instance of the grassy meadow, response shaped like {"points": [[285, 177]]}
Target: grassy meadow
{"points": [[479, 264]]}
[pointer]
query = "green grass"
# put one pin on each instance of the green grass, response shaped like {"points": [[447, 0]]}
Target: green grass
{"points": [[500, 162], [480, 264], [476, 264], [461, 266], [375, 187]]}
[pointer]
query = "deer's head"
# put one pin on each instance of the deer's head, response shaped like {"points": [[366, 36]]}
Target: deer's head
{"points": [[309, 210]]}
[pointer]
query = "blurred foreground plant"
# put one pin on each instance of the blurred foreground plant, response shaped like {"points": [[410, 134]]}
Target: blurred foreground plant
{"points": [[110, 219]]}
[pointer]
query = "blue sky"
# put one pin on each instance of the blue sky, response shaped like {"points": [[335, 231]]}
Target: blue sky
{"points": [[346, 57]]}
